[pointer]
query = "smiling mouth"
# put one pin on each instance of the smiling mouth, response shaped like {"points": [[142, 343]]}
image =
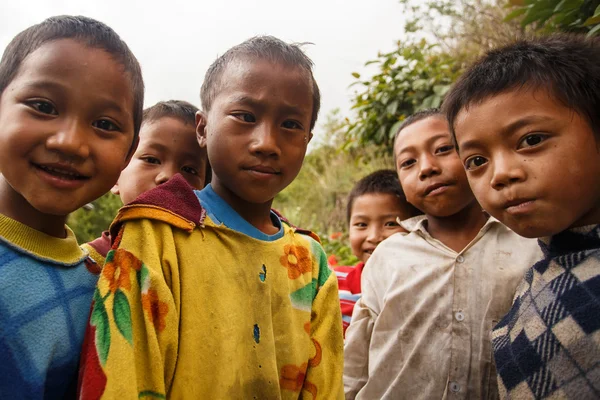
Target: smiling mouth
{"points": [[65, 173]]}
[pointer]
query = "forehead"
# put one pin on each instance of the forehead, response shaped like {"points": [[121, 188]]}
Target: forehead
{"points": [[375, 204], [167, 130], [73, 65], [508, 110], [421, 133], [263, 79]]}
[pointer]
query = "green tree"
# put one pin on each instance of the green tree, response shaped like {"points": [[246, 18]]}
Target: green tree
{"points": [[88, 222], [580, 16], [415, 76]]}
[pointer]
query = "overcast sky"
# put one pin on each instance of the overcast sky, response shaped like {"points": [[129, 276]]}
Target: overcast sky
{"points": [[175, 40]]}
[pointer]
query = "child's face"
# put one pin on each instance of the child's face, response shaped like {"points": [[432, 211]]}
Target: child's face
{"points": [[257, 130], [373, 219], [533, 163], [66, 127], [431, 174], [167, 147]]}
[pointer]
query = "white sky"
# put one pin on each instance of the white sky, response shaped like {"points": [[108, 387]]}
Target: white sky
{"points": [[175, 40]]}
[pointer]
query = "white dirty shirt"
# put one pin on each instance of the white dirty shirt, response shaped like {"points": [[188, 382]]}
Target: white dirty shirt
{"points": [[422, 327]]}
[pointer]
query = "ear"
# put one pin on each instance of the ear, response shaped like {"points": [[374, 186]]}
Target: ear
{"points": [[310, 136], [115, 189], [201, 128]]}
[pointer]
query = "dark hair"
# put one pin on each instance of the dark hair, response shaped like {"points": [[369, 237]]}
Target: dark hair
{"points": [[177, 109], [381, 181], [416, 117], [181, 111], [566, 65], [260, 47], [89, 32]]}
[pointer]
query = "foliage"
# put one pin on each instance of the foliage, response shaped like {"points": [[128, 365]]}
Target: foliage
{"points": [[336, 245], [415, 76], [89, 222], [582, 16]]}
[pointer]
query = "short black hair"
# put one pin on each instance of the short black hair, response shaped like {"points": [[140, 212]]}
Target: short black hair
{"points": [[566, 65], [416, 117], [260, 47], [177, 109], [89, 32], [383, 181]]}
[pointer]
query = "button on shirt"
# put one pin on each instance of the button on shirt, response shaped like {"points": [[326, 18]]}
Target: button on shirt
{"points": [[422, 327]]}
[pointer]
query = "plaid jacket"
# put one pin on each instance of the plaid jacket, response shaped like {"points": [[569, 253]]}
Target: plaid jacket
{"points": [[548, 345]]}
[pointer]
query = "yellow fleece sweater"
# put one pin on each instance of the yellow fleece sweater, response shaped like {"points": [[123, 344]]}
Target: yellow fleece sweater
{"points": [[208, 312]]}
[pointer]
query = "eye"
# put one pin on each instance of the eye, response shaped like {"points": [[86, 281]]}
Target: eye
{"points": [[360, 225], [407, 163], [291, 125], [105, 125], [246, 117], [474, 162], [151, 160], [43, 107], [190, 170], [444, 149], [391, 224], [531, 140]]}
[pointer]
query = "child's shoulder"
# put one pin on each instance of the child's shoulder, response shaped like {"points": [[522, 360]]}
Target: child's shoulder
{"points": [[173, 203], [296, 229]]}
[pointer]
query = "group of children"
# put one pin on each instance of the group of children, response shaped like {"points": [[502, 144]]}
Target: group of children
{"points": [[200, 290]]}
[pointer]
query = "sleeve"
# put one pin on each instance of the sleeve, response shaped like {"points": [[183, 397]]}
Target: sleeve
{"points": [[358, 340], [325, 370], [131, 342]]}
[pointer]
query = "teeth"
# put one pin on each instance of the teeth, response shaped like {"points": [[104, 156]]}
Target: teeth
{"points": [[60, 171]]}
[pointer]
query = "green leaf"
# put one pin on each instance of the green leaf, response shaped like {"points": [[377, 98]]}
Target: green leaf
{"points": [[515, 13], [594, 30], [592, 20], [394, 129], [122, 315], [566, 5], [99, 319], [393, 107], [356, 75]]}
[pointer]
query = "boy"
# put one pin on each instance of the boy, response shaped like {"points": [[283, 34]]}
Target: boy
{"points": [[71, 95], [529, 142], [430, 298], [375, 205], [208, 294], [168, 146]]}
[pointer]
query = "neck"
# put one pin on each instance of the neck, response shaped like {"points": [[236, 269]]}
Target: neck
{"points": [[257, 214], [458, 230], [15, 206]]}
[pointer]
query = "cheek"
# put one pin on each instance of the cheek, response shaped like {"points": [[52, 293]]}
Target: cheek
{"points": [[356, 240]]}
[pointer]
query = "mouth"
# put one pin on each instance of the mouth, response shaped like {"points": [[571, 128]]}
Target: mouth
{"points": [[436, 188], [519, 206], [263, 170], [61, 171]]}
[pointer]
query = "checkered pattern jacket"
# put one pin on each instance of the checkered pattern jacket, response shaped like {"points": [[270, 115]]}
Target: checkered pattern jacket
{"points": [[548, 345]]}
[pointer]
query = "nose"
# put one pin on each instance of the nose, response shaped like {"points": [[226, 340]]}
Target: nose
{"points": [[506, 171], [71, 140], [428, 166], [374, 235], [264, 141], [166, 172]]}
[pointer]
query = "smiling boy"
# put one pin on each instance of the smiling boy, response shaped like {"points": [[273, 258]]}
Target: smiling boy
{"points": [[528, 139], [421, 329], [71, 95], [223, 298]]}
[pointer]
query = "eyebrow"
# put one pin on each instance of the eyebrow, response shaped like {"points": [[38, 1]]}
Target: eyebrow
{"points": [[507, 130], [429, 141], [286, 108], [104, 101]]}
